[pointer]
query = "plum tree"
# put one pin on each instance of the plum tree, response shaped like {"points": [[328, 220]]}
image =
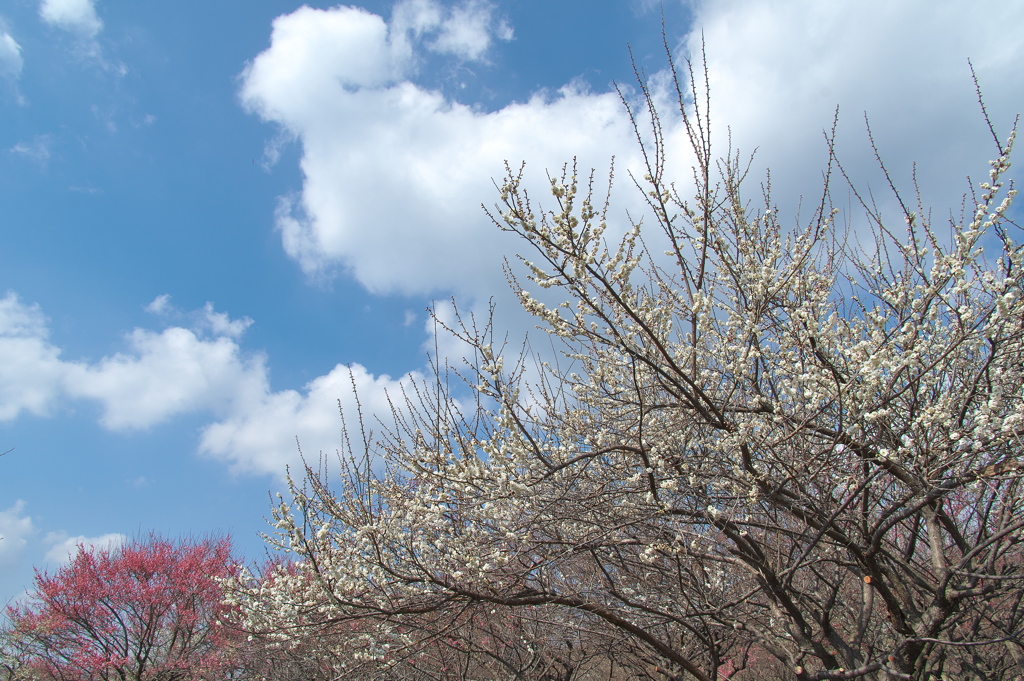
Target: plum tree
{"points": [[143, 611], [779, 448]]}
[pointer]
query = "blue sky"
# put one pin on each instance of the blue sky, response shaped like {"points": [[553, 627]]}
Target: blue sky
{"points": [[208, 210]]}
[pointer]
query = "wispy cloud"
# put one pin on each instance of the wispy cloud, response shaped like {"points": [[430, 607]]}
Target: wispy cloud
{"points": [[79, 20], [63, 548], [37, 150], [11, 61], [466, 30], [205, 319], [75, 16], [161, 305]]}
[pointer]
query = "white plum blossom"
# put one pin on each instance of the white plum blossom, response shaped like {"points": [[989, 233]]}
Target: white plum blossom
{"points": [[762, 442]]}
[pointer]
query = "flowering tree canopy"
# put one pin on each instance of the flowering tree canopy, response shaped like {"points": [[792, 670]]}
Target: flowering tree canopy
{"points": [[145, 610], [791, 446]]}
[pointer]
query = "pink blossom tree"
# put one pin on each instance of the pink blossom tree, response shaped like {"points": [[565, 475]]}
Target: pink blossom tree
{"points": [[148, 610]]}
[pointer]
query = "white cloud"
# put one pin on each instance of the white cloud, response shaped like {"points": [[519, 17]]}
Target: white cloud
{"points": [[15, 529], [64, 548], [465, 31], [166, 374], [395, 174], [413, 18], [260, 436], [11, 61], [206, 319], [160, 305], [38, 150], [349, 47], [31, 371], [74, 16], [779, 69], [186, 370], [220, 324], [178, 370]]}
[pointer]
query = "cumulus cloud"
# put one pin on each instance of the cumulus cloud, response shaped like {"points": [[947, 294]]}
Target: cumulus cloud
{"points": [[177, 370], [779, 69], [11, 61], [63, 548], [349, 46], [75, 16], [181, 370], [261, 435], [31, 371], [394, 173], [15, 529], [165, 374]]}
